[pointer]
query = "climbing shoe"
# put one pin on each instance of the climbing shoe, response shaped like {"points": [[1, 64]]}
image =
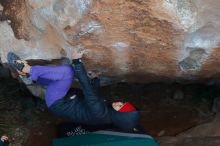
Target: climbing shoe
{"points": [[15, 61]]}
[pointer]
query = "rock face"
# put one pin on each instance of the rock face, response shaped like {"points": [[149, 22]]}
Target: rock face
{"points": [[127, 40]]}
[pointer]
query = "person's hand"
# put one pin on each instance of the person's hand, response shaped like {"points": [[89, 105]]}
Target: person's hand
{"points": [[21, 73], [4, 138], [94, 74], [78, 54]]}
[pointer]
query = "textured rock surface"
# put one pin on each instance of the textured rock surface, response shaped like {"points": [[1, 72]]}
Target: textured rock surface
{"points": [[127, 40], [207, 134], [192, 141]]}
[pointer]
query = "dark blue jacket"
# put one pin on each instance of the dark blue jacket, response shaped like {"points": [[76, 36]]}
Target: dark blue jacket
{"points": [[90, 108], [2, 143]]}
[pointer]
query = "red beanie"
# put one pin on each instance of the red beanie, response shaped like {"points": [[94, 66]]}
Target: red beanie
{"points": [[127, 107]]}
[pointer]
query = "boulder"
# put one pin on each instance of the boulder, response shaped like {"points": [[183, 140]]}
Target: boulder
{"points": [[127, 40]]}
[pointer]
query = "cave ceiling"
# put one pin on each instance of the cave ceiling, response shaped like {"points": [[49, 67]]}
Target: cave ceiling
{"points": [[127, 40]]}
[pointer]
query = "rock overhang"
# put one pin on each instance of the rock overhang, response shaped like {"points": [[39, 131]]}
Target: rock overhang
{"points": [[131, 41]]}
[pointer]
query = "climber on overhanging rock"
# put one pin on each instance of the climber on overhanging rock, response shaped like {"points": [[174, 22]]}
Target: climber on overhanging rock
{"points": [[87, 108]]}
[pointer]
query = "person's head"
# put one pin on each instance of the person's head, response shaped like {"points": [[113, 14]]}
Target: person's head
{"points": [[124, 115], [123, 107]]}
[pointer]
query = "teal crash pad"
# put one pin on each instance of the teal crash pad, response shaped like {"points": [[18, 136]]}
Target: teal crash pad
{"points": [[106, 139]]}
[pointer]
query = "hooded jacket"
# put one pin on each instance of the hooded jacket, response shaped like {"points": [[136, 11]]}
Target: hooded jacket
{"points": [[88, 107]]}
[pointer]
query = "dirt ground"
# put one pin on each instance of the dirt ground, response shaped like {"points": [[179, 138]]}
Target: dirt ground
{"points": [[166, 110]]}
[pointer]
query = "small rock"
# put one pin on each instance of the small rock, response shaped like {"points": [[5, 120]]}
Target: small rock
{"points": [[1, 7], [161, 133], [48, 122], [40, 133], [178, 94], [216, 105]]}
